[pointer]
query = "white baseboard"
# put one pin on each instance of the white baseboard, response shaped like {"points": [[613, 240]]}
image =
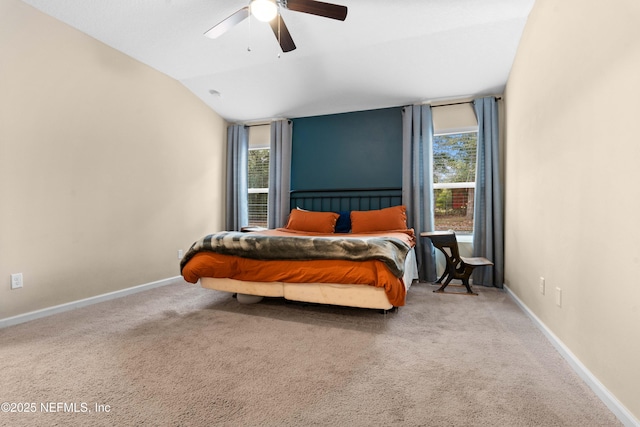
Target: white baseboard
{"points": [[614, 405], [21, 318]]}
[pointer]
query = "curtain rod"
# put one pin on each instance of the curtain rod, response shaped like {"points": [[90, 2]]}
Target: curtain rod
{"points": [[461, 102], [269, 121], [262, 123]]}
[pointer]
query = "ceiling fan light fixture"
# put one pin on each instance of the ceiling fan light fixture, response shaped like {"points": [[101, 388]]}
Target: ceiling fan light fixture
{"points": [[264, 10]]}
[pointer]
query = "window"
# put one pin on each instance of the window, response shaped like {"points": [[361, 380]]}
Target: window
{"points": [[454, 176], [258, 174], [258, 183]]}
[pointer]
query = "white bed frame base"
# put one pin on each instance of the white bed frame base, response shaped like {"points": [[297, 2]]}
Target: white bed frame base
{"points": [[361, 296]]}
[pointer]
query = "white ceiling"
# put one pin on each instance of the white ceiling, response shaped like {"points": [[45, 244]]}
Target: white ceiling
{"points": [[386, 53]]}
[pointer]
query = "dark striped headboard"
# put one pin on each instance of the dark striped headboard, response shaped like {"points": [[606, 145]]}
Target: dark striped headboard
{"points": [[346, 199]]}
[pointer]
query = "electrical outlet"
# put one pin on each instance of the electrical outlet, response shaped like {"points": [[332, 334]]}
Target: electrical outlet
{"points": [[559, 297], [16, 281], [542, 285], [180, 254]]}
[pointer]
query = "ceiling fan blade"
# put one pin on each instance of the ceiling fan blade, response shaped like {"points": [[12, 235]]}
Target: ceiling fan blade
{"points": [[282, 34], [228, 23], [327, 10]]}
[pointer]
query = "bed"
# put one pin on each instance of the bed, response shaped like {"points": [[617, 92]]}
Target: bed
{"points": [[359, 257]]}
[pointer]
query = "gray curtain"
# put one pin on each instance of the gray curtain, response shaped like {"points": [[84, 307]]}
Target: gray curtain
{"points": [[279, 173], [488, 226], [237, 212], [417, 182]]}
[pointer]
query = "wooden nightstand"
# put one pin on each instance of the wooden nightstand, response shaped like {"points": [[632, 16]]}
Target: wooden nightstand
{"points": [[457, 267]]}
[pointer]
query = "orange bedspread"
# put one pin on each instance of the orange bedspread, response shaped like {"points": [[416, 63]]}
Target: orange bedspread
{"points": [[372, 272]]}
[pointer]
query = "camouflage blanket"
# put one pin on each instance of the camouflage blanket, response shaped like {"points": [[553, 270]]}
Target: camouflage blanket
{"points": [[391, 251]]}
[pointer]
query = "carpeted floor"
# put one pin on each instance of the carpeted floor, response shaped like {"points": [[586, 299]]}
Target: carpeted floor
{"points": [[181, 355]]}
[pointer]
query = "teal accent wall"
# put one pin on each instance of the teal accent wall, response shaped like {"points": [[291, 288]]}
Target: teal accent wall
{"points": [[351, 150]]}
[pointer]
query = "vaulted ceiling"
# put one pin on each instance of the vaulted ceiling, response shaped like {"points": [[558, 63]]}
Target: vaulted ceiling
{"points": [[386, 53]]}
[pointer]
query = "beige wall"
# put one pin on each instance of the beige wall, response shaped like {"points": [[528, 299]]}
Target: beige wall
{"points": [[572, 186], [108, 167]]}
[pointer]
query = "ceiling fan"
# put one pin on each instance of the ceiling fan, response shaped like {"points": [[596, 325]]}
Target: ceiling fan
{"points": [[269, 11]]}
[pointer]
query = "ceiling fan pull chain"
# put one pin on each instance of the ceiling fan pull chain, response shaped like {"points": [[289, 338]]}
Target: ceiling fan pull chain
{"points": [[249, 41]]}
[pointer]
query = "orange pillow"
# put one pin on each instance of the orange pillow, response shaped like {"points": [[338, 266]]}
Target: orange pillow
{"points": [[393, 218], [315, 222]]}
